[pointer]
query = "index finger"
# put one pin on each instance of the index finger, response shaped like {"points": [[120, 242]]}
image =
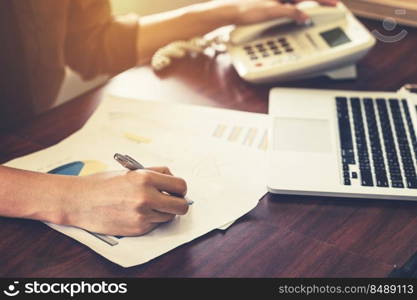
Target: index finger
{"points": [[168, 183]]}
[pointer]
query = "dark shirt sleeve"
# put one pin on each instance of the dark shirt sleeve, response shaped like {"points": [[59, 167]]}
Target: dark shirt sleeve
{"points": [[97, 42]]}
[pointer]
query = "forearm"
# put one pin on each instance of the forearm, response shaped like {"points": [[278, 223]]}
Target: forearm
{"points": [[32, 195], [160, 29]]}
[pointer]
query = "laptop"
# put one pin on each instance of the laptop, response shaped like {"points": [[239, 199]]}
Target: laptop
{"points": [[343, 143]]}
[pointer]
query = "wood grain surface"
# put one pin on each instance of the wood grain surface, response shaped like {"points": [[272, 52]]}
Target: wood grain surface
{"points": [[284, 236]]}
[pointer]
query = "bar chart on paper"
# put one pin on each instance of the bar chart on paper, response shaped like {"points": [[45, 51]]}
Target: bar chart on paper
{"points": [[145, 122], [254, 137]]}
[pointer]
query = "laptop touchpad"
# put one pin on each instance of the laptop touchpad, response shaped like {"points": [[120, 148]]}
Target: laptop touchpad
{"points": [[302, 135]]}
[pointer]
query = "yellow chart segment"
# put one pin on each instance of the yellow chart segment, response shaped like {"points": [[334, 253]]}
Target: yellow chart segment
{"points": [[137, 138], [80, 168], [92, 167]]}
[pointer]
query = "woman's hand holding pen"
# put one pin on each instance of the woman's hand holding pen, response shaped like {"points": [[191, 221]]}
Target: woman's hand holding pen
{"points": [[125, 203]]}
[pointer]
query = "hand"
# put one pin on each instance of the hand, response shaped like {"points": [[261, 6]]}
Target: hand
{"points": [[126, 203], [255, 11]]}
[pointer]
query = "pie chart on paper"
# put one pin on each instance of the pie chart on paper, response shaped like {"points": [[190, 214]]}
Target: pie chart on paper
{"points": [[80, 168]]}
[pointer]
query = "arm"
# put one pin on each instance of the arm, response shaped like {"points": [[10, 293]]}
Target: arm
{"points": [[32, 195], [99, 43], [116, 203], [122, 203], [158, 30]]}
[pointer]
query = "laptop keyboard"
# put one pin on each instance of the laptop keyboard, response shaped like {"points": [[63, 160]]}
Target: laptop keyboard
{"points": [[378, 142]]}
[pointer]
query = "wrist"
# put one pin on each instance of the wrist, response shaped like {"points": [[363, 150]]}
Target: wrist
{"points": [[33, 195], [58, 200]]}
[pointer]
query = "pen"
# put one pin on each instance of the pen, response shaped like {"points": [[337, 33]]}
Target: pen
{"points": [[132, 164]]}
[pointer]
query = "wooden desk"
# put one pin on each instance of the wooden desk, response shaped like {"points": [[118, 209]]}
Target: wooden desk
{"points": [[283, 236]]}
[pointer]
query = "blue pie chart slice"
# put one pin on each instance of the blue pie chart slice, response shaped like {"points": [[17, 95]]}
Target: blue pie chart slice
{"points": [[80, 168], [73, 169]]}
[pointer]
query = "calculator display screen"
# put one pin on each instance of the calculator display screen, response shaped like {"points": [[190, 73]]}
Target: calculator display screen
{"points": [[335, 37]]}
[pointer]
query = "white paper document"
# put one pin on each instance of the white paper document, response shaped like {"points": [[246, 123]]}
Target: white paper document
{"points": [[220, 153]]}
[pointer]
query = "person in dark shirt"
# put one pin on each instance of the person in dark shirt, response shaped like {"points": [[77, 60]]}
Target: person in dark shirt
{"points": [[38, 39]]}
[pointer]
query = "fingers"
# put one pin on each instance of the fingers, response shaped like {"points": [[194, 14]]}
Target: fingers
{"points": [[328, 2], [160, 217], [322, 2], [162, 170], [291, 11], [179, 186], [170, 204], [168, 183]]}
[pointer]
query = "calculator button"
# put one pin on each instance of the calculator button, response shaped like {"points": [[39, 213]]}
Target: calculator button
{"points": [[282, 40], [265, 54], [289, 49], [253, 57], [277, 52]]}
